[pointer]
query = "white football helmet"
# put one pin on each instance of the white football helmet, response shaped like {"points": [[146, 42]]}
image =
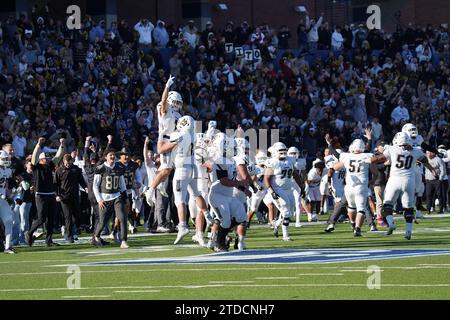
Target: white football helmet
{"points": [[260, 158], [185, 123], [5, 160], [293, 152], [175, 100], [410, 130], [357, 146], [401, 139], [279, 150]]}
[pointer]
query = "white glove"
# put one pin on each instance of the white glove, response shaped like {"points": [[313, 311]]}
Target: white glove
{"points": [[170, 81]]}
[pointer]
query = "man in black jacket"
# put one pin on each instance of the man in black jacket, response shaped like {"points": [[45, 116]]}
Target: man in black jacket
{"points": [[69, 178], [44, 186]]}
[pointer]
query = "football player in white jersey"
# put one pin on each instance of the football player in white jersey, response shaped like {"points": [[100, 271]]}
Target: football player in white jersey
{"points": [[202, 180], [222, 175], [403, 158], [257, 172], [184, 180], [6, 214], [333, 182], [168, 114], [417, 141], [356, 164], [278, 180], [239, 201], [300, 166], [312, 190]]}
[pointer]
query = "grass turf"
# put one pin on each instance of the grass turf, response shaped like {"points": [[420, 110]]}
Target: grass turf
{"points": [[32, 274]]}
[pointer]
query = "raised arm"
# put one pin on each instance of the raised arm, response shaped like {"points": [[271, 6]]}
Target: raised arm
{"points": [[164, 105], [37, 151], [59, 154]]}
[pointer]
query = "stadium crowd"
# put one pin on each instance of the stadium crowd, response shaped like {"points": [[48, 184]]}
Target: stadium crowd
{"points": [[104, 82]]}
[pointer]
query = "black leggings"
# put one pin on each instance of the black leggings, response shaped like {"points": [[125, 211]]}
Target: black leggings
{"points": [[45, 212], [105, 214]]}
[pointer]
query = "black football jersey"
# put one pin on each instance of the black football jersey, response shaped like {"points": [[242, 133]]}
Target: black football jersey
{"points": [[110, 178], [129, 172]]}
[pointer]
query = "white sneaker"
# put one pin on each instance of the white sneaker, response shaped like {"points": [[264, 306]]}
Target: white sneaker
{"points": [[181, 233], [241, 246], [124, 245], [162, 230], [298, 225], [63, 231], [111, 236], [287, 239], [9, 251], [199, 240], [419, 214]]}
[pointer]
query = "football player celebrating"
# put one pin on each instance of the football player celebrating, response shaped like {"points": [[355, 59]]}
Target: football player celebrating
{"points": [[222, 175], [403, 158], [168, 114], [6, 214], [131, 176], [110, 192], [185, 177], [278, 180], [417, 141], [257, 172], [356, 164], [300, 166]]}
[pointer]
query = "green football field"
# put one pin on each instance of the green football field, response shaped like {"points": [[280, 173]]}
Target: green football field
{"points": [[271, 269]]}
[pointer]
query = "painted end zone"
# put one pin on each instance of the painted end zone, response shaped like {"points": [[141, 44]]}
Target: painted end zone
{"points": [[283, 256]]}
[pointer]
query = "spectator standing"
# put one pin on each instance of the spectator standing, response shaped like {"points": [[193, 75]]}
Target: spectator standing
{"points": [[433, 182], [69, 178], [160, 34], [312, 27], [283, 37], [43, 166], [145, 29], [337, 41], [400, 113]]}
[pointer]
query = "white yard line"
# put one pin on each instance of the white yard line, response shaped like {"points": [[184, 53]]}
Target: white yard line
{"points": [[275, 278], [75, 297], [137, 291], [278, 285], [320, 274]]}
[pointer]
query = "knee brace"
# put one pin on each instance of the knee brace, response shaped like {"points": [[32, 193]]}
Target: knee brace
{"points": [[286, 222], [387, 210], [409, 215]]}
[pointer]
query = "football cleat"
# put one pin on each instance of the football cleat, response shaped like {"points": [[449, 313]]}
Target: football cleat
{"points": [[287, 239], [373, 228], [124, 245], [182, 231], [330, 228], [357, 232], [9, 250], [298, 225], [391, 230]]}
